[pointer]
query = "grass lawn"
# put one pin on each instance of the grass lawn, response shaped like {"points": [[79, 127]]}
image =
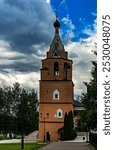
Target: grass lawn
{"points": [[17, 146]]}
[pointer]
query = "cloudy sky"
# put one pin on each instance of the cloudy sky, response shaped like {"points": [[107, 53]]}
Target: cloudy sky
{"points": [[26, 32]]}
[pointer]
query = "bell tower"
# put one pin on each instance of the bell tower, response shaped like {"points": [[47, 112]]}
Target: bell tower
{"points": [[56, 89]]}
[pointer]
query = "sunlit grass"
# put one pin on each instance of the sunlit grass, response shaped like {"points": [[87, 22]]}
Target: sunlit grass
{"points": [[17, 146]]}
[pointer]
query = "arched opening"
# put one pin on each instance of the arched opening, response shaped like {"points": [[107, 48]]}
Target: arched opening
{"points": [[59, 113], [56, 95], [56, 69]]}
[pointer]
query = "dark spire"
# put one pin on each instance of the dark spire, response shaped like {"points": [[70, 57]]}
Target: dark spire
{"points": [[56, 47], [56, 25]]}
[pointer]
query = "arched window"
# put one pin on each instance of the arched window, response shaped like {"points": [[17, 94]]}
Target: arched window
{"points": [[59, 113], [56, 95], [56, 68]]}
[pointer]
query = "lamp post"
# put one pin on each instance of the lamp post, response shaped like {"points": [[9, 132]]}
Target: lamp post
{"points": [[22, 117], [22, 138], [44, 118]]}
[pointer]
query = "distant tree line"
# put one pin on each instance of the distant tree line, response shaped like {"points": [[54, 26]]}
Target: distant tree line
{"points": [[18, 110]]}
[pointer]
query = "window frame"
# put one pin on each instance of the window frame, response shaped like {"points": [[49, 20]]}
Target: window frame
{"points": [[58, 112], [56, 95]]}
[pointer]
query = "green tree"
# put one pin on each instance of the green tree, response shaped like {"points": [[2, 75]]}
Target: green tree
{"points": [[66, 126], [27, 111], [5, 109], [1, 108], [69, 132], [89, 100], [17, 105]]}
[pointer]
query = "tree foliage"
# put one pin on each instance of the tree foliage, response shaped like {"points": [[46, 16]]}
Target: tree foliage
{"points": [[68, 130], [18, 107], [89, 100]]}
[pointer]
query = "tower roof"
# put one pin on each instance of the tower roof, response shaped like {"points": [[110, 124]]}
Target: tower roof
{"points": [[56, 47], [56, 23]]}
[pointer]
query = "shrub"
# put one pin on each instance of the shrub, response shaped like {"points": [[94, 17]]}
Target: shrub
{"points": [[68, 131], [2, 136], [93, 138], [17, 136]]}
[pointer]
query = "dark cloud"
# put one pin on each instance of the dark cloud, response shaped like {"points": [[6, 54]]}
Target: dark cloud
{"points": [[25, 23], [73, 55], [29, 64], [83, 64], [26, 67], [3, 71]]}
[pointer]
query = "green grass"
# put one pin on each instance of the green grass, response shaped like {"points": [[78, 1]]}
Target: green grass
{"points": [[17, 146]]}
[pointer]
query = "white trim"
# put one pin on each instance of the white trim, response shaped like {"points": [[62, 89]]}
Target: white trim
{"points": [[59, 113], [56, 95]]}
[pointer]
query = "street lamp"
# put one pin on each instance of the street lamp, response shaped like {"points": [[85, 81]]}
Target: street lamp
{"points": [[44, 118], [22, 137], [22, 117]]}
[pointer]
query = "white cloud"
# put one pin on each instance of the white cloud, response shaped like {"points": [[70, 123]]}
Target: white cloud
{"points": [[82, 54], [22, 67], [48, 1], [26, 80], [94, 14], [68, 33], [66, 20], [88, 29]]}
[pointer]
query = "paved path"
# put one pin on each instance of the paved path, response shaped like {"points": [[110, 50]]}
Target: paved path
{"points": [[14, 141], [78, 139], [11, 141], [67, 146]]}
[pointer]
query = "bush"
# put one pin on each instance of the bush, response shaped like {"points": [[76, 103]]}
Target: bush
{"points": [[62, 136], [93, 138], [17, 136], [68, 132], [2, 136], [71, 136], [74, 134]]}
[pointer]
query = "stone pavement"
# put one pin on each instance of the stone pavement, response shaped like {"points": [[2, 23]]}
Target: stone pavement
{"points": [[68, 146]]}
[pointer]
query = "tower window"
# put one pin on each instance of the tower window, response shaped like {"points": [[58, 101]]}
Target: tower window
{"points": [[59, 113], [56, 68], [56, 95]]}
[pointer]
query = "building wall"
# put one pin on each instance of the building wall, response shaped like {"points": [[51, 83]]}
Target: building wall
{"points": [[51, 128], [56, 76], [52, 123], [65, 89], [47, 71]]}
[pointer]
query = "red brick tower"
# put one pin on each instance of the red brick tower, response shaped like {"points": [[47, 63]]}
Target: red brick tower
{"points": [[56, 89]]}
